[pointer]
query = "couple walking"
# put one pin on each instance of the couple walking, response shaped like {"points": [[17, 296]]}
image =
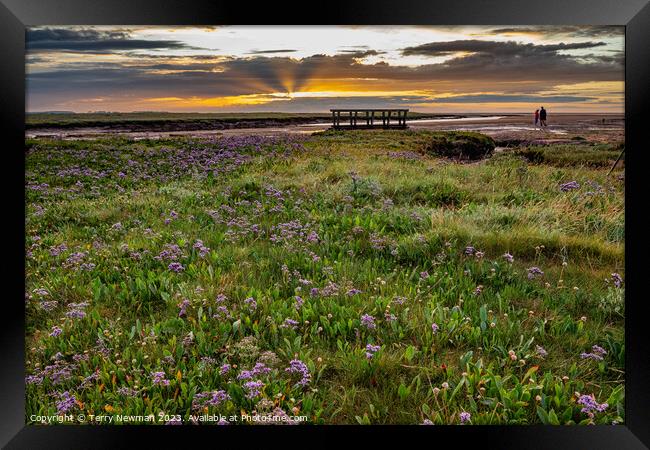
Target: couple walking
{"points": [[540, 117]]}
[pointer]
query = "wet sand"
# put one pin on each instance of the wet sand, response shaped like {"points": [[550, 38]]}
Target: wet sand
{"points": [[505, 129]]}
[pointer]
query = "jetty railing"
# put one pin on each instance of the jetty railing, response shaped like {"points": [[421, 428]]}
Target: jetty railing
{"points": [[369, 118]]}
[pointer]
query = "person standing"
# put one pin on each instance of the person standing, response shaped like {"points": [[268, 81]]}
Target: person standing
{"points": [[536, 119], [542, 117]]}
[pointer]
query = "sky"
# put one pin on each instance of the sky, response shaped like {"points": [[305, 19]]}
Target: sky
{"points": [[432, 69]]}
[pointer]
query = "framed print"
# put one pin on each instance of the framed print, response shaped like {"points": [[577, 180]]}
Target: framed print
{"points": [[401, 218]]}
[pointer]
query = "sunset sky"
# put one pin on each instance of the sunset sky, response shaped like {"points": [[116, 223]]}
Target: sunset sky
{"points": [[312, 69]]}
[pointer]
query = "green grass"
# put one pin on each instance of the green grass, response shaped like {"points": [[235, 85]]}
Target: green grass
{"points": [[341, 212]]}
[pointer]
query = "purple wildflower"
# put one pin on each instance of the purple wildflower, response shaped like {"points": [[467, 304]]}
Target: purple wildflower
{"points": [[617, 279], [65, 403], [465, 417], [289, 323], [434, 327], [224, 369], [252, 304], [183, 308], [299, 302], [253, 388], [508, 257], [534, 272], [56, 331], [159, 378], [371, 350], [299, 367], [469, 250], [566, 187], [590, 405], [176, 267], [368, 321]]}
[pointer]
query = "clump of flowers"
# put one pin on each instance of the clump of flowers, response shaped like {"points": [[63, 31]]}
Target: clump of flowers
{"points": [[183, 308], [469, 250], [566, 187], [251, 303], [158, 378], [368, 321], [596, 354], [253, 388], [617, 280], [299, 367], [65, 402], [590, 405], [203, 250], [289, 323], [534, 272], [76, 310], [508, 257], [176, 267], [371, 350], [214, 398], [434, 327], [541, 352], [55, 331], [465, 417]]}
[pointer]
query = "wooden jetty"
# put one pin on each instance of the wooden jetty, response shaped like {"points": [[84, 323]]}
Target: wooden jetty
{"points": [[368, 118]]}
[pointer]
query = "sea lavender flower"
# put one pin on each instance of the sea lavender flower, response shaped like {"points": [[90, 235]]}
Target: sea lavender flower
{"points": [[65, 403], [469, 250], [598, 350], [126, 391], [176, 267], [478, 290], [299, 367], [224, 369], [253, 388], [424, 274], [508, 257], [566, 187], [368, 321], [594, 356], [159, 378], [464, 417], [352, 292], [289, 323], [590, 405], [260, 369], [252, 304], [214, 398], [245, 375], [56, 331], [541, 351], [617, 279], [534, 272], [299, 302], [427, 422], [183, 308], [371, 350], [434, 327]]}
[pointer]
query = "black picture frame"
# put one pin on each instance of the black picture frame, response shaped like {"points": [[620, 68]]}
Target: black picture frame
{"points": [[15, 15]]}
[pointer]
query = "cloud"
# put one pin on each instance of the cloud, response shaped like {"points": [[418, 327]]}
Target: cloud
{"points": [[494, 98], [92, 40], [263, 52], [494, 48], [578, 31]]}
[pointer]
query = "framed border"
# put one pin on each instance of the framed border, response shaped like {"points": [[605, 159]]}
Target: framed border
{"points": [[15, 15]]}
